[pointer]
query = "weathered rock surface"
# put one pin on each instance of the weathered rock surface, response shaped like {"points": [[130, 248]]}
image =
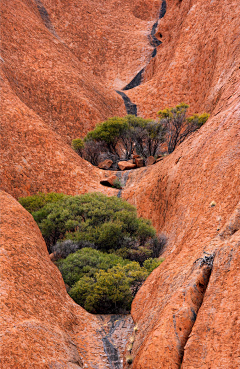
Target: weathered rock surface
{"points": [[139, 162], [106, 164], [109, 181], [59, 75], [150, 160], [41, 326], [35, 158], [197, 61], [178, 192]]}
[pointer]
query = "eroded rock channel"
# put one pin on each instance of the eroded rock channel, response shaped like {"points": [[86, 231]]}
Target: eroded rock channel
{"points": [[115, 333], [131, 108]]}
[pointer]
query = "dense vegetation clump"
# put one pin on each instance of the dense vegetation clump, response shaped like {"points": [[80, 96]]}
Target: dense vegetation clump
{"points": [[102, 282], [119, 138], [37, 202], [104, 250], [109, 223]]}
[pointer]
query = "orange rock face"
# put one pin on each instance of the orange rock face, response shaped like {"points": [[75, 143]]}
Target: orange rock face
{"points": [[126, 165], [61, 64], [194, 64], [179, 322], [41, 326]]}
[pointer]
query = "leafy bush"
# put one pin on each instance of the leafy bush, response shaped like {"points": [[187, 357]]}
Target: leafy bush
{"points": [[38, 201], [74, 226], [78, 145], [103, 283], [117, 138], [101, 220], [178, 126], [86, 262]]}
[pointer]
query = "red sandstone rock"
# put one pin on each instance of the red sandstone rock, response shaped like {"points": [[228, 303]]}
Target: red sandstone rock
{"points": [[139, 162], [163, 308], [192, 64], [41, 326], [106, 164], [124, 165], [150, 160], [109, 181], [52, 93]]}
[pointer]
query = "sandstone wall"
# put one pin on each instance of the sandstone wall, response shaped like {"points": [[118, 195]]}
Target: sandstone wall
{"points": [[186, 315], [41, 326], [197, 60]]}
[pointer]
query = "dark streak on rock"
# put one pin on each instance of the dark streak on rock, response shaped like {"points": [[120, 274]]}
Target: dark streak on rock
{"points": [[45, 17], [130, 107], [194, 316], [136, 81], [154, 42], [163, 9]]}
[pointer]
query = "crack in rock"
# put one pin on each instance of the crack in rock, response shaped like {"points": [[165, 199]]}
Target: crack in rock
{"points": [[184, 319], [136, 81]]}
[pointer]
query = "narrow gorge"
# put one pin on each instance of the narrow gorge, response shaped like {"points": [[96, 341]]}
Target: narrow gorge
{"points": [[67, 66]]}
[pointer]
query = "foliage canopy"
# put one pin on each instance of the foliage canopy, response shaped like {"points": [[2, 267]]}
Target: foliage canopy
{"points": [[103, 283]]}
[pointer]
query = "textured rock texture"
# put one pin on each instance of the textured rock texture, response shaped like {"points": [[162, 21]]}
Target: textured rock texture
{"points": [[41, 326], [197, 59], [62, 62], [178, 321], [61, 65]]}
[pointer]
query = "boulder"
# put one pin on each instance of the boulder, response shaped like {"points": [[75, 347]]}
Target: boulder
{"points": [[159, 159], [150, 160], [109, 181], [124, 165], [139, 162], [106, 164]]}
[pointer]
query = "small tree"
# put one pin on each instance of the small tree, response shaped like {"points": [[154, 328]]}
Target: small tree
{"points": [[121, 136], [178, 126]]}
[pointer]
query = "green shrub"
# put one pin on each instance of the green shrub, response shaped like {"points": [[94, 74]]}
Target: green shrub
{"points": [[101, 220], [119, 137], [102, 283], [117, 184], [87, 261], [78, 145], [38, 201]]}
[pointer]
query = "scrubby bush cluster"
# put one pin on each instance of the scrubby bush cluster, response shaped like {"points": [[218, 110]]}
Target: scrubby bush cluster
{"points": [[118, 138], [102, 282], [105, 250]]}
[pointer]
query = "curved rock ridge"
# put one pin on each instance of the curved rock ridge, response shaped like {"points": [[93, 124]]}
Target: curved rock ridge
{"points": [[47, 77], [197, 60], [41, 326], [35, 158], [192, 196]]}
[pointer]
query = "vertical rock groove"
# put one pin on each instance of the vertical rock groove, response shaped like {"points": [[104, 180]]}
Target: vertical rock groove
{"points": [[137, 80]]}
